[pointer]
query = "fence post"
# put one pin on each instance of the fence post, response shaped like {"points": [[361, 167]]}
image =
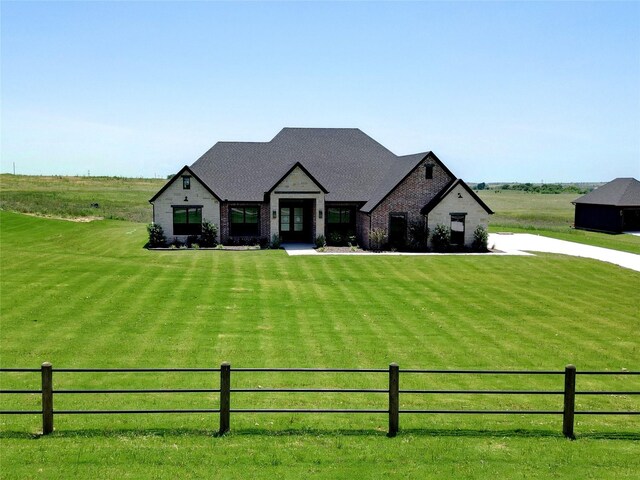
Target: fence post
{"points": [[225, 397], [47, 398], [394, 399], [569, 401]]}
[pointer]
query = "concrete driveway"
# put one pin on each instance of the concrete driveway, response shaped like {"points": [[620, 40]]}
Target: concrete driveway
{"points": [[518, 242]]}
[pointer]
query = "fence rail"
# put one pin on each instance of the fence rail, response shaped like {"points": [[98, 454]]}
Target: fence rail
{"points": [[393, 393]]}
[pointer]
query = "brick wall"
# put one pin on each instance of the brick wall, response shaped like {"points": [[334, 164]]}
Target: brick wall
{"points": [[362, 228], [413, 193]]}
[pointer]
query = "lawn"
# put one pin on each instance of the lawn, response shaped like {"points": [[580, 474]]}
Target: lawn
{"points": [[88, 295]]}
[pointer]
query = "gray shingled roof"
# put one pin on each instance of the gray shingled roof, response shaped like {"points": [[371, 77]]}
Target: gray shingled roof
{"points": [[621, 192], [349, 164]]}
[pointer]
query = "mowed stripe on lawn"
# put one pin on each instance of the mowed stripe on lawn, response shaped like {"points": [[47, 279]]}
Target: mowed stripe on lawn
{"points": [[100, 300]]}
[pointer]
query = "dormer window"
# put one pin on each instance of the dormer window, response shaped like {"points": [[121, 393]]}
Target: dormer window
{"points": [[186, 182], [428, 171]]}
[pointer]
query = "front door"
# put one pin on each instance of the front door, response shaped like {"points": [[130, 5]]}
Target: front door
{"points": [[398, 230], [295, 222]]}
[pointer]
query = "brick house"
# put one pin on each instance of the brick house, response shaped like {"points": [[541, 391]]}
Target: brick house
{"points": [[307, 182]]}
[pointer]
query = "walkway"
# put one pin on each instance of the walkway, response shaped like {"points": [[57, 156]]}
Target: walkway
{"points": [[518, 242], [299, 249], [509, 244]]}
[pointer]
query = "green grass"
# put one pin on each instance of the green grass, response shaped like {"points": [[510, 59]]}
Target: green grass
{"points": [[118, 198], [520, 209], [549, 215], [88, 295]]}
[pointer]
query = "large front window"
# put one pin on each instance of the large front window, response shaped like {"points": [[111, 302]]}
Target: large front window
{"points": [[341, 224], [339, 215], [187, 220], [244, 221]]}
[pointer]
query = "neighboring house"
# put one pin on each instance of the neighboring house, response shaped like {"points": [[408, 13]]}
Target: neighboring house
{"points": [[307, 182], [614, 207]]}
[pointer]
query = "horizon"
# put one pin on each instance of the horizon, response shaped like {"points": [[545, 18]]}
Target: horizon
{"points": [[170, 175], [527, 91]]}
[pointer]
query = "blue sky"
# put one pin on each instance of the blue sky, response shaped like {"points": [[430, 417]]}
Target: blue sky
{"points": [[540, 91]]}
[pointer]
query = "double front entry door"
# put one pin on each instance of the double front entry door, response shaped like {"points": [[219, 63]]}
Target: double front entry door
{"points": [[295, 222]]}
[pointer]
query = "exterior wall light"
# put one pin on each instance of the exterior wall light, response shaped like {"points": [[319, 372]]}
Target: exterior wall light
{"points": [[186, 199], [320, 213], [274, 214]]}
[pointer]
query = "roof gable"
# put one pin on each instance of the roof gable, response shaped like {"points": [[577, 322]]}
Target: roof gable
{"points": [[621, 192], [397, 174], [178, 175], [445, 192], [290, 171]]}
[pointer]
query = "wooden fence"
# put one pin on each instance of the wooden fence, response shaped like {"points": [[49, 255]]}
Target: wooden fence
{"points": [[393, 392]]}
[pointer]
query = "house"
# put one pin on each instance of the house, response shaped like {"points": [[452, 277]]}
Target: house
{"points": [[308, 182], [614, 207]]}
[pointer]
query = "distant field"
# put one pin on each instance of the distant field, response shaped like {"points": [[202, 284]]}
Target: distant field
{"points": [[550, 215], [117, 198], [529, 210], [89, 295]]}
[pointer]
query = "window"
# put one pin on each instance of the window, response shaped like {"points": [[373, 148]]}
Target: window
{"points": [[428, 171], [243, 221], [340, 224], [186, 182], [187, 220], [339, 214], [457, 228]]}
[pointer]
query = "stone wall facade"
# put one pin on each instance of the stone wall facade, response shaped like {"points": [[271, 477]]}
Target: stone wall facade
{"points": [[459, 201], [176, 195]]}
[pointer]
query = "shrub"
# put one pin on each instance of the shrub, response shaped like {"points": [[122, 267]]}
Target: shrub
{"points": [[264, 242], [480, 239], [418, 236], [275, 241], [335, 238], [156, 236], [191, 241], [209, 235], [441, 238], [377, 238], [321, 241]]}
